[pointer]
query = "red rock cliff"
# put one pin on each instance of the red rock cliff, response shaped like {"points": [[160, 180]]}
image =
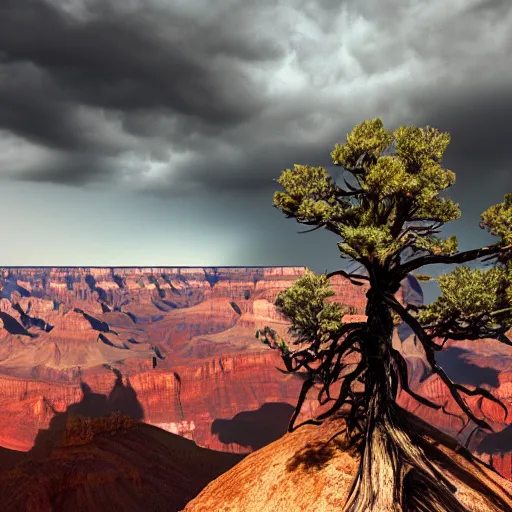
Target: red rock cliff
{"points": [[184, 339]]}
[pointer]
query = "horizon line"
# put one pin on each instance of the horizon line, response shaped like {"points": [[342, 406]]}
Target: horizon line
{"points": [[152, 266]]}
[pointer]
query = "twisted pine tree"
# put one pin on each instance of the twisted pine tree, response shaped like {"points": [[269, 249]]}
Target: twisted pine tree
{"points": [[388, 219]]}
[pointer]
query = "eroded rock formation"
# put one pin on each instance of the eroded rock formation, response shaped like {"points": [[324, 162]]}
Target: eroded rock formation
{"points": [[183, 339], [106, 463]]}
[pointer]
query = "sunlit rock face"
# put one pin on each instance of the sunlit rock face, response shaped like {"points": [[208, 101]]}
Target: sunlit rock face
{"points": [[316, 461], [184, 341]]}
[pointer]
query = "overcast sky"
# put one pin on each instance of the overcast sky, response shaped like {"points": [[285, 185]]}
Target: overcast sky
{"points": [[149, 132]]}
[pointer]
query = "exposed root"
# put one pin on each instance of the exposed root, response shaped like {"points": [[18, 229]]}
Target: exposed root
{"points": [[401, 470]]}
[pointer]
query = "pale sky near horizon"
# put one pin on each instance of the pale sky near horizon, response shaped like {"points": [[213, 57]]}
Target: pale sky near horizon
{"points": [[149, 132]]}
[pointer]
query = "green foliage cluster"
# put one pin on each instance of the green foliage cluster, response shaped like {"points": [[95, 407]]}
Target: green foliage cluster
{"points": [[471, 294], [399, 176], [304, 303], [437, 245], [498, 220], [367, 137], [310, 194]]}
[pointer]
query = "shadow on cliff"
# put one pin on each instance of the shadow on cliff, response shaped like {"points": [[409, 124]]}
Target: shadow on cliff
{"points": [[11, 286], [497, 443], [12, 326], [255, 429], [453, 362], [122, 398]]}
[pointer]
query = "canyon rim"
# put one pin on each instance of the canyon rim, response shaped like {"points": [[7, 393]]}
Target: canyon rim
{"points": [[182, 340]]}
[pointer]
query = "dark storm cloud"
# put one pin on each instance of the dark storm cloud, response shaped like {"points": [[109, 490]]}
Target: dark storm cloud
{"points": [[119, 61], [85, 167], [479, 122], [132, 63], [195, 97], [30, 106]]}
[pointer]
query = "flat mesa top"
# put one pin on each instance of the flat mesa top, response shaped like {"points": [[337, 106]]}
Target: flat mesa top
{"points": [[286, 272], [149, 268], [146, 266]]}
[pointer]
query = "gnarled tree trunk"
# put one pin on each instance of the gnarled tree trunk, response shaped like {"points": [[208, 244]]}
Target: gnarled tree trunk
{"points": [[394, 473]]}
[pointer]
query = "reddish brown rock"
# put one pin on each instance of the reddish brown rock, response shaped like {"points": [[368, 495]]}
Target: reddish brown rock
{"points": [[109, 464], [214, 368], [308, 471], [212, 377]]}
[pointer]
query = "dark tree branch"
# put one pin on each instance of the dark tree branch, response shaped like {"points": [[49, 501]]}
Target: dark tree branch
{"points": [[348, 379], [312, 229], [387, 211], [404, 380], [402, 207], [341, 350], [345, 388], [306, 386], [297, 360], [359, 168], [504, 339], [448, 413], [401, 272], [475, 329], [452, 387], [350, 277]]}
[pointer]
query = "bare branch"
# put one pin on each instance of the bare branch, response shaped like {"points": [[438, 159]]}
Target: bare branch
{"points": [[306, 386], [341, 350], [345, 388], [400, 272], [404, 380], [448, 413], [478, 391], [504, 339], [350, 277], [312, 229], [452, 387]]}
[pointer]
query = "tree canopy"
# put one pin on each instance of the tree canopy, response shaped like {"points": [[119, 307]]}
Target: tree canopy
{"points": [[388, 214], [395, 211]]}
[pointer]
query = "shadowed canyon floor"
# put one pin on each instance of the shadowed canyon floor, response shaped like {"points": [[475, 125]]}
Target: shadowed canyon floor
{"points": [[108, 462]]}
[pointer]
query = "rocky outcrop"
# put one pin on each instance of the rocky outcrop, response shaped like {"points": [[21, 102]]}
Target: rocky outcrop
{"points": [[185, 340], [109, 464], [309, 471]]}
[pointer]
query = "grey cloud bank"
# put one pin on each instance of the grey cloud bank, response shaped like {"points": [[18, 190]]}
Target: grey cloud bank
{"points": [[195, 107]]}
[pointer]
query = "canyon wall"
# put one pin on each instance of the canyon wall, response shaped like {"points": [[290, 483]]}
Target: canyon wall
{"points": [[182, 341], [182, 338]]}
